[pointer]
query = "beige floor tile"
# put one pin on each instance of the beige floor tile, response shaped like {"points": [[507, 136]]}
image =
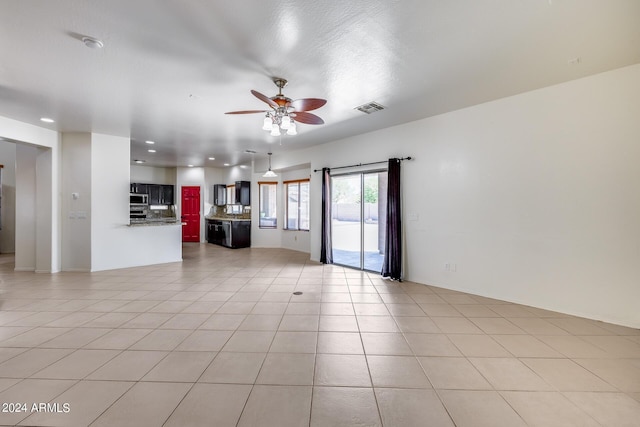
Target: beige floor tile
{"points": [[509, 374], [139, 306], [386, 344], [269, 308], [496, 325], [118, 339], [536, 326], [30, 391], [573, 346], [365, 298], [5, 383], [370, 309], [334, 294], [547, 409], [340, 343], [234, 368], [525, 346], [210, 404], [342, 370], [34, 337], [144, 404], [344, 407], [635, 396], [478, 346], [203, 340], [304, 308], [411, 408], [510, 311], [86, 399], [456, 325], [427, 299], [260, 322], [185, 321], [181, 366], [620, 373], [7, 332], [336, 309], [203, 307], [75, 338], [294, 342], [77, 365], [39, 319], [440, 310], [579, 326], [161, 339], [287, 369], [432, 345], [110, 320], [455, 373], [128, 366], [9, 353], [397, 371], [479, 409], [74, 320], [31, 361], [566, 375], [475, 310], [338, 324], [236, 308], [411, 309], [224, 322], [250, 341], [420, 325], [609, 409], [299, 322], [148, 321], [281, 406], [377, 324], [615, 346]]}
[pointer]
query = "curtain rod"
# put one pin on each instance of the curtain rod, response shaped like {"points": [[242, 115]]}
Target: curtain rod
{"points": [[363, 164]]}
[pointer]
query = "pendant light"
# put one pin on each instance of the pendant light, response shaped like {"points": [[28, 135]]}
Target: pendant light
{"points": [[269, 173]]}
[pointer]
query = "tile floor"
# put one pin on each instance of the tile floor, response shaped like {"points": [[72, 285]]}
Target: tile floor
{"points": [[220, 340]]}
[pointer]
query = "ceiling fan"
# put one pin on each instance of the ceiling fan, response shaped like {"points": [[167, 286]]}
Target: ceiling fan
{"points": [[285, 112]]}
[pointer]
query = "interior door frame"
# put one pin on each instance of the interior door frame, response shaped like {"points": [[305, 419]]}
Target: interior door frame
{"points": [[362, 173]]}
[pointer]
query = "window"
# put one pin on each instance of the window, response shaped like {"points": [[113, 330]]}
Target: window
{"points": [[231, 194], [268, 200], [297, 205]]}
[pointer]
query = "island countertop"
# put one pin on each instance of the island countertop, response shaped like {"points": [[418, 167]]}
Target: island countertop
{"points": [[222, 218]]}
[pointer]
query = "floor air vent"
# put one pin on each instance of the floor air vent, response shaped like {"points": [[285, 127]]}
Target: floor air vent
{"points": [[370, 107]]}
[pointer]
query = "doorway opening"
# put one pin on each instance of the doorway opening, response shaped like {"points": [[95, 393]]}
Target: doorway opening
{"points": [[358, 219]]}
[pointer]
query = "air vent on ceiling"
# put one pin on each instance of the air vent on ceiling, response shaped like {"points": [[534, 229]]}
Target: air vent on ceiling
{"points": [[370, 107], [250, 151]]}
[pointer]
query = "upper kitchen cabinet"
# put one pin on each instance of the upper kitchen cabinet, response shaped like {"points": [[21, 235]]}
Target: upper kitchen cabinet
{"points": [[243, 193], [159, 194], [219, 194]]}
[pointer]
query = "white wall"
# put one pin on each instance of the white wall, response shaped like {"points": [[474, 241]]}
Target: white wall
{"points": [[533, 197], [76, 150], [153, 175], [26, 208], [8, 214]]}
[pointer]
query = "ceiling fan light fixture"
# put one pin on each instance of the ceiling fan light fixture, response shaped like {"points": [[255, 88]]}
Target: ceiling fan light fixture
{"points": [[292, 129], [285, 122], [266, 124], [275, 130]]}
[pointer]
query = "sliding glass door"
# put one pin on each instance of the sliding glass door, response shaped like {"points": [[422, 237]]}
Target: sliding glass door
{"points": [[358, 215]]}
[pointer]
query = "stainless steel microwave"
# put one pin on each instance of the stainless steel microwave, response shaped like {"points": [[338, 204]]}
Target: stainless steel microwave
{"points": [[138, 199]]}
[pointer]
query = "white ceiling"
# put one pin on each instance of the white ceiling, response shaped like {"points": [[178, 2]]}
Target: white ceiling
{"points": [[170, 69]]}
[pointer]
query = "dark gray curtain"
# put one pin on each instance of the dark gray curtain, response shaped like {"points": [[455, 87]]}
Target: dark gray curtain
{"points": [[326, 251], [392, 265]]}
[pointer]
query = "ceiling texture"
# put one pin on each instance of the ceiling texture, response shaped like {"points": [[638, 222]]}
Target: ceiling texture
{"points": [[170, 69]]}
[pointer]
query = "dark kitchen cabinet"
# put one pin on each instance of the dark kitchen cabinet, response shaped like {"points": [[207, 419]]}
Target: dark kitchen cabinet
{"points": [[219, 195], [159, 194], [243, 193], [231, 234]]}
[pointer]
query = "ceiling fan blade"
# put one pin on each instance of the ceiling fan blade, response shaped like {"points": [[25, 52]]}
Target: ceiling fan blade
{"points": [[307, 104], [247, 112], [308, 118], [264, 98]]}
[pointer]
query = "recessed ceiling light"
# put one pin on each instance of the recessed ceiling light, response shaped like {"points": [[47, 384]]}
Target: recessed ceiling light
{"points": [[47, 120], [151, 151], [149, 142], [92, 43], [139, 161], [243, 166], [227, 164], [212, 158], [190, 166]]}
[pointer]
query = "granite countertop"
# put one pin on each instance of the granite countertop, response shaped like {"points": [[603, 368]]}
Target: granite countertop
{"points": [[152, 223], [224, 218]]}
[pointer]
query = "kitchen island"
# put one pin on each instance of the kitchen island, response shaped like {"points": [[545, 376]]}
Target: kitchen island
{"points": [[231, 232]]}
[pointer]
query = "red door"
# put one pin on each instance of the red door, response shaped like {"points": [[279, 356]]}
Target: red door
{"points": [[191, 214]]}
